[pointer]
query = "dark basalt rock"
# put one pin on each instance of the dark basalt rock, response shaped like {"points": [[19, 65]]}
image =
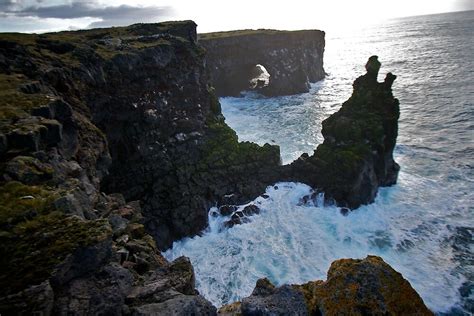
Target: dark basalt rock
{"points": [[127, 114], [251, 209], [241, 217], [60, 257], [226, 210], [292, 58], [356, 157], [266, 299]]}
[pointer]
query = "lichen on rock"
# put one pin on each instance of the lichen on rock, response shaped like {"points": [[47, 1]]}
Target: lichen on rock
{"points": [[353, 287]]}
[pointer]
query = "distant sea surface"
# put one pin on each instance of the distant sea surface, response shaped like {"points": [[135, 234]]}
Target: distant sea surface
{"points": [[423, 226]]}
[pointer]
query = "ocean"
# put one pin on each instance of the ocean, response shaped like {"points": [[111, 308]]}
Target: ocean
{"points": [[423, 226]]}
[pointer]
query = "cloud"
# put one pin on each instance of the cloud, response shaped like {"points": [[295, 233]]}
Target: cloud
{"points": [[464, 5], [76, 9]]}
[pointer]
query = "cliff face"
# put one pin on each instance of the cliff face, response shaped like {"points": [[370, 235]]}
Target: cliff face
{"points": [[113, 145], [147, 93], [124, 111], [292, 58], [169, 144]]}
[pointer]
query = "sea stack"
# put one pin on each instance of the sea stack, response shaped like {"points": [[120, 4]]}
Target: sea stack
{"points": [[356, 157]]}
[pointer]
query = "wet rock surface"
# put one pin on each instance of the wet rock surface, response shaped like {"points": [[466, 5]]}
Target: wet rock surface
{"points": [[238, 217]]}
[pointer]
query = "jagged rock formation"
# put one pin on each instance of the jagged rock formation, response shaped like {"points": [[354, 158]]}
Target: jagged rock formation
{"points": [[353, 287], [356, 157], [132, 101], [112, 146], [292, 58]]}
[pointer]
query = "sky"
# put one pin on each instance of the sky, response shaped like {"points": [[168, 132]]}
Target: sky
{"points": [[212, 15]]}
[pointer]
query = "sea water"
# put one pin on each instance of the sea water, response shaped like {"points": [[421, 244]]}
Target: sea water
{"points": [[423, 226]]}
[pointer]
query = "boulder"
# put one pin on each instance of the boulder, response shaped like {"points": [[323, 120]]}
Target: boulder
{"points": [[34, 300], [363, 287], [101, 292], [353, 287], [28, 170], [266, 299]]}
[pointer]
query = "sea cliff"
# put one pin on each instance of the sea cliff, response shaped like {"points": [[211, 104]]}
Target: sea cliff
{"points": [[293, 59], [113, 145]]}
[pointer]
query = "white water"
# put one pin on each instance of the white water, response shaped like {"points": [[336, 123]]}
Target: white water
{"points": [[411, 225], [291, 243]]}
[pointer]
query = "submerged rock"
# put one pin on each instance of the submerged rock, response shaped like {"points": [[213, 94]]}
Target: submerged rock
{"points": [[241, 217]]}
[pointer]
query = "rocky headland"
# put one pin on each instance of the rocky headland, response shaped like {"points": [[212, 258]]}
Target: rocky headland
{"points": [[293, 59], [113, 145]]}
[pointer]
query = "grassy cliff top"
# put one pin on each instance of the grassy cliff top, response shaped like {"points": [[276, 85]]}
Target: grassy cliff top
{"points": [[139, 29], [224, 34]]}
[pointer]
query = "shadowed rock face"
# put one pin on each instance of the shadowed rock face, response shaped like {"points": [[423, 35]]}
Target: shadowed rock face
{"points": [[353, 287], [356, 157], [292, 58], [112, 143]]}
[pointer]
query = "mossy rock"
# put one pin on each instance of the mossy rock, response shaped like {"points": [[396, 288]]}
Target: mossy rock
{"points": [[35, 247], [223, 148], [19, 202], [35, 237], [339, 164], [16, 104], [28, 170], [362, 287]]}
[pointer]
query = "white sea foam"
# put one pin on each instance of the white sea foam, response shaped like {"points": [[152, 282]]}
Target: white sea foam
{"points": [[292, 243], [412, 224]]}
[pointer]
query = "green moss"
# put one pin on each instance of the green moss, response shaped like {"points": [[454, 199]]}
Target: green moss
{"points": [[215, 35], [223, 150], [35, 237], [340, 164], [353, 128], [35, 247], [15, 208], [15, 104], [215, 104], [28, 170]]}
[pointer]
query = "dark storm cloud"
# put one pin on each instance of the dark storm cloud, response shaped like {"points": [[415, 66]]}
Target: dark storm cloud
{"points": [[110, 15]]}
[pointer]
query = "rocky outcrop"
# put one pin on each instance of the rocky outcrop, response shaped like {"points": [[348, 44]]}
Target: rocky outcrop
{"points": [[69, 247], [353, 287], [112, 146], [356, 157], [292, 58]]}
